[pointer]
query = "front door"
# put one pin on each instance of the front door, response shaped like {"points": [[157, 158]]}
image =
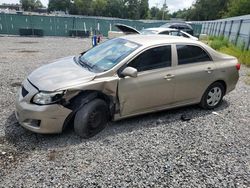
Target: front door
{"points": [[153, 88]]}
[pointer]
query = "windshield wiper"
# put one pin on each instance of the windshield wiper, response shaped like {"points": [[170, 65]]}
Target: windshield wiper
{"points": [[84, 64]]}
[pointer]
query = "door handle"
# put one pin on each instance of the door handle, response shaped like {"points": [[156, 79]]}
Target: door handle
{"points": [[169, 76], [209, 70]]}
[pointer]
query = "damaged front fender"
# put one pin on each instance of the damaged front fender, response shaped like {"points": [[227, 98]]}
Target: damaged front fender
{"points": [[104, 88]]}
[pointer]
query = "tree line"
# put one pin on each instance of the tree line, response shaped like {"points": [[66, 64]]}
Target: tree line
{"points": [[132, 9], [215, 9], [139, 9]]}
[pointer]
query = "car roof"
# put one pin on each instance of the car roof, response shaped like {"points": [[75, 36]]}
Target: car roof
{"points": [[150, 40]]}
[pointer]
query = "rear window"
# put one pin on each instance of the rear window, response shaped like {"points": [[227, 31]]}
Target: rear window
{"points": [[191, 54]]}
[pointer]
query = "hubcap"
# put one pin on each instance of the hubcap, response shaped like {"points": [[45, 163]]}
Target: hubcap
{"points": [[214, 96]]}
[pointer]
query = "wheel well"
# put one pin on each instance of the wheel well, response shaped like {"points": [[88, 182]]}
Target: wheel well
{"points": [[223, 83], [86, 96]]}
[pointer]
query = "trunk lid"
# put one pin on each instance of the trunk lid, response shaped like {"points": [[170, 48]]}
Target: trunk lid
{"points": [[127, 29]]}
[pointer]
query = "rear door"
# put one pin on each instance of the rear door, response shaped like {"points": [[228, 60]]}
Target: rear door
{"points": [[153, 88], [193, 73]]}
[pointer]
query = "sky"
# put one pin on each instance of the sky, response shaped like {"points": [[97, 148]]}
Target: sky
{"points": [[173, 5]]}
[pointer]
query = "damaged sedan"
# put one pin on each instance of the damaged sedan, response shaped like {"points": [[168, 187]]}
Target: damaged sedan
{"points": [[124, 77]]}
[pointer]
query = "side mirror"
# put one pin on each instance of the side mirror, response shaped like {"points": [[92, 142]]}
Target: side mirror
{"points": [[129, 71]]}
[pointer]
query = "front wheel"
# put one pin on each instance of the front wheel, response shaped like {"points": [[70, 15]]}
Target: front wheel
{"points": [[91, 118], [213, 96]]}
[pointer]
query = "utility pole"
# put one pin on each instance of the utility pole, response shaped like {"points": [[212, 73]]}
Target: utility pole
{"points": [[164, 9]]}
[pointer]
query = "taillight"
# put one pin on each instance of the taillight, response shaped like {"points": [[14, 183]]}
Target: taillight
{"points": [[238, 66]]}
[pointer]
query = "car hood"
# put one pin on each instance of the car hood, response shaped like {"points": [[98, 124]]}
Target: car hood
{"points": [[63, 73], [127, 29]]}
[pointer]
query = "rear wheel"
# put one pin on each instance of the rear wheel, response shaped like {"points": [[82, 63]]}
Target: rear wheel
{"points": [[213, 96], [91, 118]]}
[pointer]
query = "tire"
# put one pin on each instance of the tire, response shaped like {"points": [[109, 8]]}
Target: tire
{"points": [[213, 96], [91, 118]]}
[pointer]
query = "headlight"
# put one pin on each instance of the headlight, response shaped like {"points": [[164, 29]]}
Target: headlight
{"points": [[47, 97]]}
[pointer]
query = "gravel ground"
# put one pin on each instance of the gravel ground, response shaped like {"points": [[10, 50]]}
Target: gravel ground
{"points": [[155, 150]]}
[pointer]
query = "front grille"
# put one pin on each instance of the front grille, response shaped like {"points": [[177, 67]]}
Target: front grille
{"points": [[24, 92]]}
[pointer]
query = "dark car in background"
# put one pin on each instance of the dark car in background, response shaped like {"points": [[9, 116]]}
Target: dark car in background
{"points": [[180, 26]]}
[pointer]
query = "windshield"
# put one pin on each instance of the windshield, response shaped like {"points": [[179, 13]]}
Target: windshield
{"points": [[147, 32], [108, 54]]}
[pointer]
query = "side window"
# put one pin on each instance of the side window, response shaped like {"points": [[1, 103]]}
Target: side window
{"points": [[164, 33], [191, 54], [184, 35], [154, 58], [175, 33]]}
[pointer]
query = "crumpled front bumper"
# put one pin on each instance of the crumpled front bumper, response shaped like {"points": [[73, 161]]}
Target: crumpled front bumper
{"points": [[38, 118]]}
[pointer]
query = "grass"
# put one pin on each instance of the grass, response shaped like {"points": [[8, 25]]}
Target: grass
{"points": [[223, 45], [218, 42]]}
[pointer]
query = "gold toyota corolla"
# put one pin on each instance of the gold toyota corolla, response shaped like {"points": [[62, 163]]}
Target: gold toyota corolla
{"points": [[124, 77]]}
